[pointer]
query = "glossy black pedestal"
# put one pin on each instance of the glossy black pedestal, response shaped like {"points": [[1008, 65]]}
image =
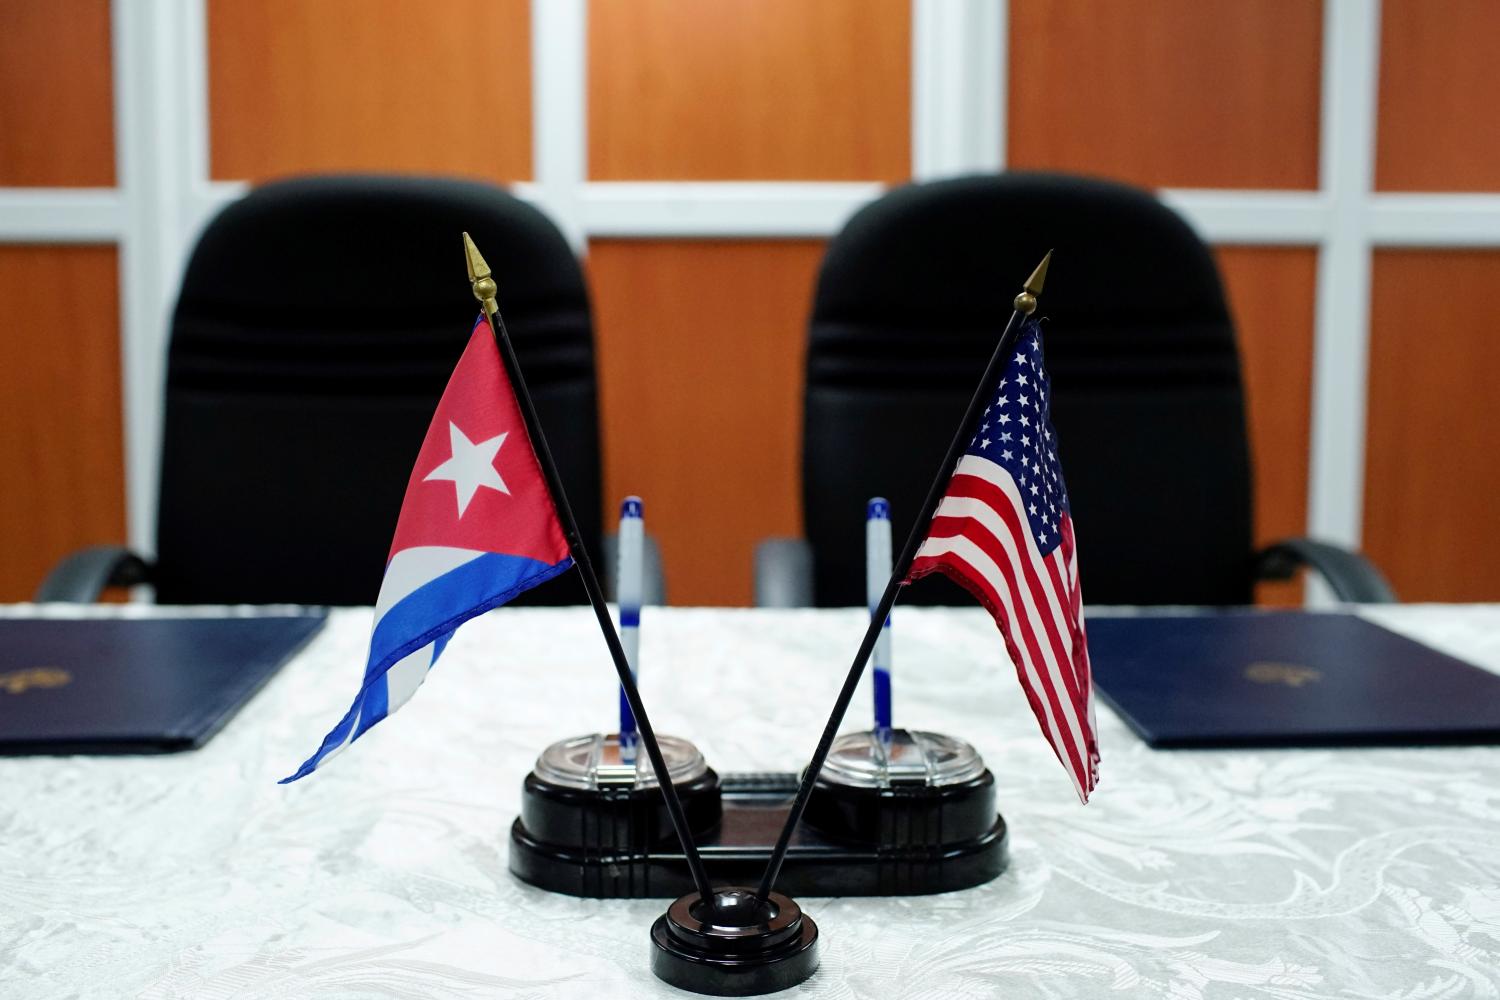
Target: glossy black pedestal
{"points": [[893, 812], [734, 945]]}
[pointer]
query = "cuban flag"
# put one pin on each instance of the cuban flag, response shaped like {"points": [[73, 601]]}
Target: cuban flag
{"points": [[477, 527]]}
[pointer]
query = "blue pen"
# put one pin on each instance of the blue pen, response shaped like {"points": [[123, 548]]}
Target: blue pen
{"points": [[877, 574], [629, 586]]}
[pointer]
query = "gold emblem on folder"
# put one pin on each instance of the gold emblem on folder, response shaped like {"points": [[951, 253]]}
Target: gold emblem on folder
{"points": [[1289, 674], [21, 681]]}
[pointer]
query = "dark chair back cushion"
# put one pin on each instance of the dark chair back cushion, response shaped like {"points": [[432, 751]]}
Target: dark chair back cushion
{"points": [[1147, 393], [318, 322]]}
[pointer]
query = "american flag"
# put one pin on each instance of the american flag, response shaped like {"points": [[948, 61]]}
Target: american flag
{"points": [[1003, 531]]}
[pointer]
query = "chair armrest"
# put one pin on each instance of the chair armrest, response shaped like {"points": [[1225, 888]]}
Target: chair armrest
{"points": [[653, 587], [82, 576], [783, 573], [1350, 575]]}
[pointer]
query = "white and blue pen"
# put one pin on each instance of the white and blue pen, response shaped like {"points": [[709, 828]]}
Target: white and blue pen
{"points": [[877, 573], [630, 583]]}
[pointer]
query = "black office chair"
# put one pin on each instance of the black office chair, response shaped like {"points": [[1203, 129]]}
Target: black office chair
{"points": [[1147, 394], [318, 322]]}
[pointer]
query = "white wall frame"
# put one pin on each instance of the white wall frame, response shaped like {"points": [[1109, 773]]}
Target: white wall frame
{"points": [[958, 94], [1273, 218], [1434, 220], [1351, 55], [559, 112], [957, 87], [722, 209], [61, 215], [161, 152]]}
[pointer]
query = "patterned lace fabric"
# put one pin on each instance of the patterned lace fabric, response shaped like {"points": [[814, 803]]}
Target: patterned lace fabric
{"points": [[1284, 874]]}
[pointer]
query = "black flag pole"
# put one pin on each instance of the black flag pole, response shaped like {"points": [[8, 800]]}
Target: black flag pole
{"points": [[1025, 305], [485, 291]]}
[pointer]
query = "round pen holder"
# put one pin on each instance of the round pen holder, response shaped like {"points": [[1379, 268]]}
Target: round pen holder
{"points": [[590, 812], [925, 801]]}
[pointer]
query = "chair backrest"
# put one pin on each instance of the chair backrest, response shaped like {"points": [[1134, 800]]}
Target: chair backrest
{"points": [[1147, 394], [318, 322]]}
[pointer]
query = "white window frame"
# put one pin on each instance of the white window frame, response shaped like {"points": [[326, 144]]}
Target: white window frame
{"points": [[164, 196]]}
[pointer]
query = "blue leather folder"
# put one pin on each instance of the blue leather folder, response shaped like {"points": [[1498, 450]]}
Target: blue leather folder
{"points": [[158, 685], [1282, 679]]}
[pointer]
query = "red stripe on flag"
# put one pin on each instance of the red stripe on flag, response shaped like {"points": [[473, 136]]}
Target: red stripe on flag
{"points": [[1070, 754], [972, 487], [1031, 667], [1071, 611], [1070, 546], [980, 536]]}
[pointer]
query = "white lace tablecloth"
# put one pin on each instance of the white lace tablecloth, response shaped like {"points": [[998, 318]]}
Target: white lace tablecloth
{"points": [[1287, 874]]}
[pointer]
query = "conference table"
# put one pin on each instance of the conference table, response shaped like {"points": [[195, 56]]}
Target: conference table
{"points": [[1285, 874]]}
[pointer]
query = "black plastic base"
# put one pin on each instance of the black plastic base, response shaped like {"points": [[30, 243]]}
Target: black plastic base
{"points": [[616, 843], [734, 945]]}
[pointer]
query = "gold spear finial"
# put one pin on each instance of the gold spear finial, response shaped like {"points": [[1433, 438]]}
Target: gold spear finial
{"points": [[479, 278], [1026, 301]]}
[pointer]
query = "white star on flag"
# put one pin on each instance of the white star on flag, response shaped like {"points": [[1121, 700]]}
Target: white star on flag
{"points": [[471, 466]]}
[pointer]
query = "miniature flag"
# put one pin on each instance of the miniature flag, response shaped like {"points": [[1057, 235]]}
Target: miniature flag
{"points": [[1003, 531], [477, 527]]}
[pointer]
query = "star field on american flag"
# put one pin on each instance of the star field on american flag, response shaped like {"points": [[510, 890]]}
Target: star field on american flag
{"points": [[1015, 432]]}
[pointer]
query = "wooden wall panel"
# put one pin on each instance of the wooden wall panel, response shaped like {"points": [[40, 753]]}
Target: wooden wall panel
{"points": [[1271, 296], [1431, 467], [1173, 93], [60, 441], [701, 347], [690, 330], [749, 90], [1439, 88], [56, 95], [376, 85]]}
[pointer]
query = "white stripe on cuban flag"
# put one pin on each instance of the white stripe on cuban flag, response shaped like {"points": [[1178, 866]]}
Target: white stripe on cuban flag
{"points": [[410, 570], [427, 592]]}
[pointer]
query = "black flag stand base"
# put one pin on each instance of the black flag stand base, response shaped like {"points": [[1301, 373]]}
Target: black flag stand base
{"points": [[725, 942], [909, 814], [738, 945]]}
